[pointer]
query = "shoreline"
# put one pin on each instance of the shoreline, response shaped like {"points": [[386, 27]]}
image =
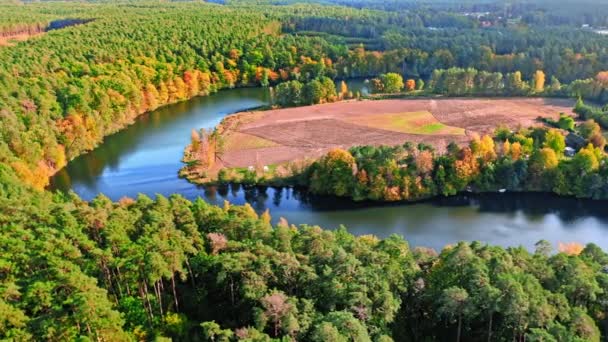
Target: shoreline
{"points": [[366, 203], [292, 138], [138, 117]]}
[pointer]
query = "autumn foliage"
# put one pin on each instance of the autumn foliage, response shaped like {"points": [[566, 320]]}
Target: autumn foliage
{"points": [[508, 161], [570, 248], [410, 85]]}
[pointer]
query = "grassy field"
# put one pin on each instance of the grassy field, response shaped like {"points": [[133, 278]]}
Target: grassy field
{"points": [[422, 122]]}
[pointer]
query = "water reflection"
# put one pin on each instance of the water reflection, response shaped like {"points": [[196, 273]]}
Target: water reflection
{"points": [[505, 219], [151, 148]]}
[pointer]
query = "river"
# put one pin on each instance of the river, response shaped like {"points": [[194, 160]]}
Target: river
{"points": [[145, 158]]}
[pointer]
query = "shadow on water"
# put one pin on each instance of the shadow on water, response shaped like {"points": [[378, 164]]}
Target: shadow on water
{"points": [[532, 205], [509, 219]]}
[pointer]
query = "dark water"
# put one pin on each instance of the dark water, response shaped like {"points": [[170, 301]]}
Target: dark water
{"points": [[145, 158]]}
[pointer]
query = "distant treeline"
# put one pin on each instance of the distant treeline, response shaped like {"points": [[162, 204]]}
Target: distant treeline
{"points": [[463, 82]]}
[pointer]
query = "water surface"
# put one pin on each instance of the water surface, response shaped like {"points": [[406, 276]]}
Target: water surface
{"points": [[145, 158]]}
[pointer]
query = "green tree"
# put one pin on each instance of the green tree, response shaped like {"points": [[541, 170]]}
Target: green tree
{"points": [[556, 141], [419, 84], [453, 304], [289, 93], [213, 332], [313, 92], [566, 122], [333, 174], [393, 82]]}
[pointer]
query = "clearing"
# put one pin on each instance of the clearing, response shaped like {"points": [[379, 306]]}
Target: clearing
{"points": [[12, 37], [282, 135]]}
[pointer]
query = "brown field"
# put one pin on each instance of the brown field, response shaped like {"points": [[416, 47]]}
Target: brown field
{"points": [[282, 135]]}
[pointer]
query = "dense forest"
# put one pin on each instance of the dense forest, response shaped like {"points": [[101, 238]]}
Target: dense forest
{"points": [[164, 269], [62, 92], [153, 269], [530, 12]]}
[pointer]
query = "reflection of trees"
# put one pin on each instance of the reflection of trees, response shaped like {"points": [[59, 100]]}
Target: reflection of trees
{"points": [[261, 198], [536, 205], [223, 190], [210, 193], [277, 196], [249, 193], [235, 189], [87, 168], [533, 205], [256, 197]]}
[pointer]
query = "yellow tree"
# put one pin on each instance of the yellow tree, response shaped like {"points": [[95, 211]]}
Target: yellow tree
{"points": [[545, 159], [587, 159], [483, 148], [343, 89], [163, 93], [515, 151], [150, 97], [466, 165], [539, 81], [506, 148], [204, 80]]}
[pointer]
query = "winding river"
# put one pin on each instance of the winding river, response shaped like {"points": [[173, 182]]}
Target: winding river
{"points": [[145, 158]]}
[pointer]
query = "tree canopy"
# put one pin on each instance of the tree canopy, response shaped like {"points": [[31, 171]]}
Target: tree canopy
{"points": [[143, 269], [68, 86]]}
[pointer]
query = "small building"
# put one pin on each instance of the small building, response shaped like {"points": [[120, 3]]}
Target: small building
{"points": [[575, 141], [569, 152]]}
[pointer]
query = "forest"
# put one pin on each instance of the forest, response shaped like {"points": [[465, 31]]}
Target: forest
{"points": [[167, 268], [527, 160], [62, 92]]}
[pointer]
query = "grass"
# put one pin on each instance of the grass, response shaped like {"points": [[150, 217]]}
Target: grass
{"points": [[241, 141], [432, 128], [409, 122]]}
